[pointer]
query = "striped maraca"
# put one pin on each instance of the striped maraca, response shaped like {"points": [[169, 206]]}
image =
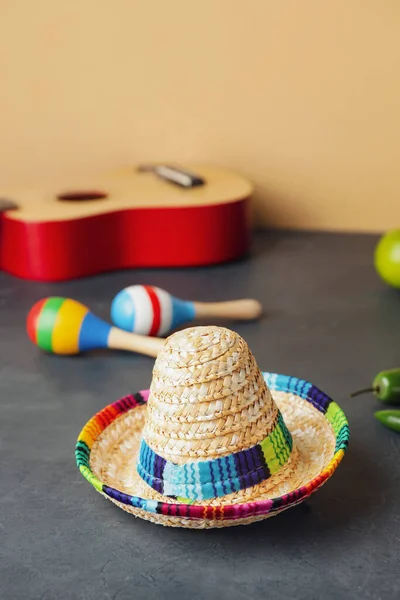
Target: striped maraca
{"points": [[65, 326], [149, 310]]}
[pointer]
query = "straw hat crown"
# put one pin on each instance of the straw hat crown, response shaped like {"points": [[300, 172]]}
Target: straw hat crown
{"points": [[208, 400]]}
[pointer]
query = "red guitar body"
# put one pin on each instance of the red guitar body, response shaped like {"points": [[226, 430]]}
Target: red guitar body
{"points": [[171, 234]]}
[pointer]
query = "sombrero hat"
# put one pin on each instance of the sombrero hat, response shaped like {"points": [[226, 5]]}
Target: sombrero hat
{"points": [[214, 442]]}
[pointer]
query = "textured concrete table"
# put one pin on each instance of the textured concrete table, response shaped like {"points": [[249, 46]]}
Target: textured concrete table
{"points": [[329, 319]]}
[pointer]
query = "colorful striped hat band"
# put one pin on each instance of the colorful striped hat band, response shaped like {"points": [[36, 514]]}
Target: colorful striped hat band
{"points": [[202, 480]]}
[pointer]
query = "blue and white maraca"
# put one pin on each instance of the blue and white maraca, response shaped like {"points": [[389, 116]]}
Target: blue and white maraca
{"points": [[149, 310]]}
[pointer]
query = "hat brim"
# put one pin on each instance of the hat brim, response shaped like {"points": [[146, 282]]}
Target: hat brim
{"points": [[107, 446]]}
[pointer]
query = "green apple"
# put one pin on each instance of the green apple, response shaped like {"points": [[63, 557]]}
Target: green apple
{"points": [[387, 258]]}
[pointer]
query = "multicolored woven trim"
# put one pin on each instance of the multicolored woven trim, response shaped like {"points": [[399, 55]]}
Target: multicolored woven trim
{"points": [[278, 383], [201, 480]]}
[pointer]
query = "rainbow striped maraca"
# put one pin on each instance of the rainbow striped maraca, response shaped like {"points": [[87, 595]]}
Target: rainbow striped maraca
{"points": [[65, 326], [149, 310]]}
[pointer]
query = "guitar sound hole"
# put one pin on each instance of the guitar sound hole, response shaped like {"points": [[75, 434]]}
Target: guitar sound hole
{"points": [[82, 195]]}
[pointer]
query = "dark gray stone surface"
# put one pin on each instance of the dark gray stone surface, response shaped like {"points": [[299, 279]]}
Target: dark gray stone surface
{"points": [[328, 319]]}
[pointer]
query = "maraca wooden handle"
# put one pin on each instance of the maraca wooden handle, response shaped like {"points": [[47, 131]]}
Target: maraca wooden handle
{"points": [[123, 340], [246, 309]]}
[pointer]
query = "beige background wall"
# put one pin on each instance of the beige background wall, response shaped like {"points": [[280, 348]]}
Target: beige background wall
{"points": [[301, 96]]}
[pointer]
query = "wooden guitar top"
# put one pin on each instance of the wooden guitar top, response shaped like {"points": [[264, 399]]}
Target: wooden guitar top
{"points": [[124, 189]]}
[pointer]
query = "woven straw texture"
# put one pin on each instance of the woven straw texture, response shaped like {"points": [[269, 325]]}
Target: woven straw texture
{"points": [[209, 399]]}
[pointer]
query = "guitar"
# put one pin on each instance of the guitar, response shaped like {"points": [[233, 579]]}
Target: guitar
{"points": [[148, 216]]}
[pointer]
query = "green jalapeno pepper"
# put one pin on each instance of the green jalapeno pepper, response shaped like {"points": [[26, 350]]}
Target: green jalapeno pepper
{"points": [[389, 418], [386, 386]]}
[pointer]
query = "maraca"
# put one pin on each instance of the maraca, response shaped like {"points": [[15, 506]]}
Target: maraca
{"points": [[149, 310], [65, 326]]}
